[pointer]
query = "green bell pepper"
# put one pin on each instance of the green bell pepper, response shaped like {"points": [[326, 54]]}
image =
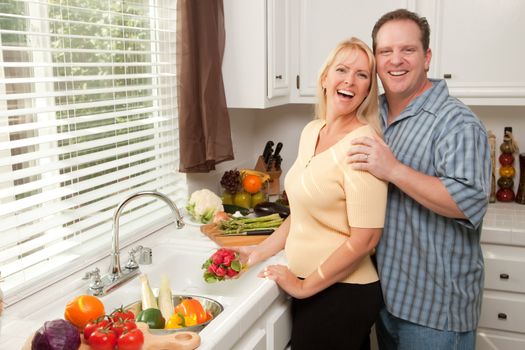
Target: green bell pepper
{"points": [[152, 317]]}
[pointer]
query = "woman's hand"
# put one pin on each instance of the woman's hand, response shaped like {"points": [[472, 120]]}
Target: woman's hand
{"points": [[248, 254], [286, 280]]}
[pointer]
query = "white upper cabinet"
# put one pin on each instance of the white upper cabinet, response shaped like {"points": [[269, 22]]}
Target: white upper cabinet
{"points": [[323, 24], [274, 48], [478, 48], [278, 45], [256, 56]]}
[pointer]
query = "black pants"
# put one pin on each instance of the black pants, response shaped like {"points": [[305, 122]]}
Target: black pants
{"points": [[339, 317]]}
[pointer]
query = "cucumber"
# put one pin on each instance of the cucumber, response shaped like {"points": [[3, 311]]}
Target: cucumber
{"points": [[231, 209]]}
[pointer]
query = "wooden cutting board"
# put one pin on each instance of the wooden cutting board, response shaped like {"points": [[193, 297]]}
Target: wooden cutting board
{"points": [[174, 341], [213, 232]]}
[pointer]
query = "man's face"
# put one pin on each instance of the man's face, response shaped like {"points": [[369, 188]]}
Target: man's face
{"points": [[401, 61]]}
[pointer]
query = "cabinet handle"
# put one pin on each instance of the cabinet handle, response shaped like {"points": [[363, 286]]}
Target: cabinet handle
{"points": [[502, 316], [447, 75], [503, 276], [278, 76]]}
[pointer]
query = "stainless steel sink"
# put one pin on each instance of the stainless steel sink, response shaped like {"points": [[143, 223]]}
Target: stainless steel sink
{"points": [[213, 306]]}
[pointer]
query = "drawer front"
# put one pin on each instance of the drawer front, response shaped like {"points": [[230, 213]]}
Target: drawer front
{"points": [[504, 267], [505, 275], [493, 340], [503, 311]]}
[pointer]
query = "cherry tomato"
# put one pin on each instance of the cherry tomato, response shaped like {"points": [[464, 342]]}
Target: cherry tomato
{"points": [[122, 326], [120, 313], [103, 339], [100, 322], [131, 340]]}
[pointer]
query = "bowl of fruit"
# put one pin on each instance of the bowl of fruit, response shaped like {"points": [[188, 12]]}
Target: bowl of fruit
{"points": [[244, 188]]}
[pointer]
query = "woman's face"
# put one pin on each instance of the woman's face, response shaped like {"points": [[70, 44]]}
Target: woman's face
{"points": [[347, 82]]}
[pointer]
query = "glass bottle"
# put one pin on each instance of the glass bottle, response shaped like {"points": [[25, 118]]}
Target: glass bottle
{"points": [[520, 194], [506, 170]]}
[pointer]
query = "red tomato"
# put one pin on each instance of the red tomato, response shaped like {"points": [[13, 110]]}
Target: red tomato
{"points": [[120, 313], [131, 340], [103, 339], [100, 322], [122, 326]]}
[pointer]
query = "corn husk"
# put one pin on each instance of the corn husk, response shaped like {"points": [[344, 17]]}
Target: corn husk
{"points": [[148, 298], [165, 299]]}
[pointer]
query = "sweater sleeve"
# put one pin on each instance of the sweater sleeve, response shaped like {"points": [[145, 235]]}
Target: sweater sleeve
{"points": [[366, 198]]}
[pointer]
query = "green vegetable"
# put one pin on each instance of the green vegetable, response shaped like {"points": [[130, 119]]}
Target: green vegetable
{"points": [[236, 225], [203, 204], [148, 299], [153, 317], [231, 209]]}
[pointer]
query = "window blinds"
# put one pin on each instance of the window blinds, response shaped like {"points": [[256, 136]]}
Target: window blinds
{"points": [[88, 115]]}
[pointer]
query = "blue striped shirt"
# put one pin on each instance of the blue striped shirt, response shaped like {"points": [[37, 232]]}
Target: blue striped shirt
{"points": [[431, 267]]}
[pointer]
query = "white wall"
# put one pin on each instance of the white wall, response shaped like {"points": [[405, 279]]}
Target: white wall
{"points": [[251, 129]]}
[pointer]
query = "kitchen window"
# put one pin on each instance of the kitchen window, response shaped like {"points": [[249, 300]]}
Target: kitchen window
{"points": [[88, 115]]}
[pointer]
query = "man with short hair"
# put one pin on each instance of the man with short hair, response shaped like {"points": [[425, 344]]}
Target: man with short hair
{"points": [[436, 157]]}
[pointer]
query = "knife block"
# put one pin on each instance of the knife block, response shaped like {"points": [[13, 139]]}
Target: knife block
{"points": [[274, 186]]}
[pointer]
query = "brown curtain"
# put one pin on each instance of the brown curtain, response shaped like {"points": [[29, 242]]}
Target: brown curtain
{"points": [[204, 124]]}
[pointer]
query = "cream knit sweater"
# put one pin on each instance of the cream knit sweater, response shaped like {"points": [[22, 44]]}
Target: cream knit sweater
{"points": [[327, 198]]}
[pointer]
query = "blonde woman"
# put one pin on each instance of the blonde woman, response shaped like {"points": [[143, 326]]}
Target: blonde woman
{"points": [[337, 213]]}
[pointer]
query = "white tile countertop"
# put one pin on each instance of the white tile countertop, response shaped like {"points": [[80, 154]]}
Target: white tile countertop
{"points": [[244, 299], [504, 223]]}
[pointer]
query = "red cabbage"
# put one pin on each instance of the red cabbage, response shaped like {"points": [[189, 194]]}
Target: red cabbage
{"points": [[56, 335]]}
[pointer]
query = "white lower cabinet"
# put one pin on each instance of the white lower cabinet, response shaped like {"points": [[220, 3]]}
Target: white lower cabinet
{"points": [[271, 331], [488, 339], [502, 322]]}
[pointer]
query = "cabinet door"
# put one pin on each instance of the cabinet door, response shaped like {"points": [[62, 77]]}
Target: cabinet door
{"points": [[279, 325], [278, 43], [489, 339], [323, 24], [478, 47]]}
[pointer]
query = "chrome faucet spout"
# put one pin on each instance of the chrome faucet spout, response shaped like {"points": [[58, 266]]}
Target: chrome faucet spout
{"points": [[115, 268]]}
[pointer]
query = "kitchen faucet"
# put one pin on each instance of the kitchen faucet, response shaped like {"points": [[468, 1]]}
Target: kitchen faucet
{"points": [[116, 276]]}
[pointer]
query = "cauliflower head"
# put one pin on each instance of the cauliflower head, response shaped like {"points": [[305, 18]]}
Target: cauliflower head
{"points": [[203, 204]]}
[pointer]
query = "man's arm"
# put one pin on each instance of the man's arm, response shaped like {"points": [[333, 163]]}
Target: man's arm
{"points": [[374, 156]]}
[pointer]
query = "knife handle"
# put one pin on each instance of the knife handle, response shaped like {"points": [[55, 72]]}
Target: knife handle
{"points": [[267, 231]]}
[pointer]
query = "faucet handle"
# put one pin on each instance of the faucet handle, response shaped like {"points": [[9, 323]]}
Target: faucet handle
{"points": [[96, 285], [132, 261]]}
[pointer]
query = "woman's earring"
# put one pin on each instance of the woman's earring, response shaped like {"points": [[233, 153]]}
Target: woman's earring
{"points": [[324, 91]]}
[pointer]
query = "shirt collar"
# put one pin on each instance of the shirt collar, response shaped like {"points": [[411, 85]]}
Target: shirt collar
{"points": [[437, 90]]}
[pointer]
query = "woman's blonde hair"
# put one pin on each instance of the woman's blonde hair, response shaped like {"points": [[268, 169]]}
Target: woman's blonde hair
{"points": [[368, 111]]}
